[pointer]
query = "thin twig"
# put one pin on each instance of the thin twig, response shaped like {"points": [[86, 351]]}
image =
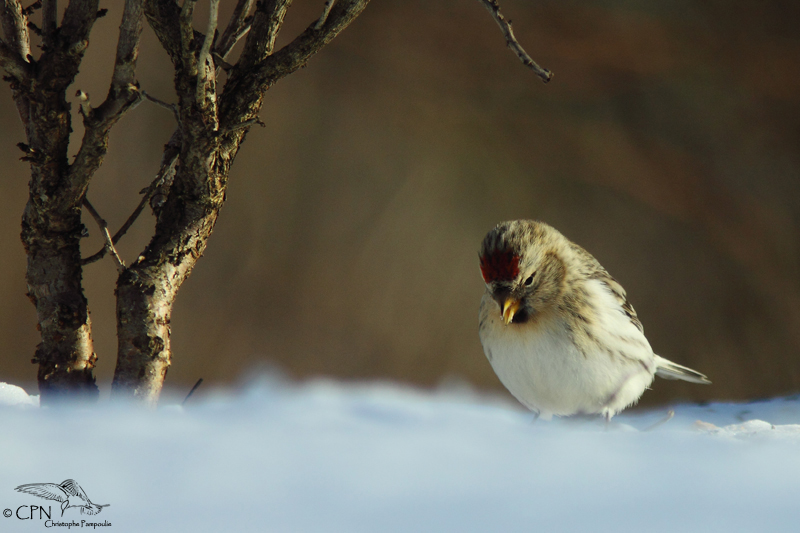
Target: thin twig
{"points": [[664, 420], [245, 124], [171, 107], [325, 12], [109, 247], [167, 169], [196, 385], [220, 61], [511, 41]]}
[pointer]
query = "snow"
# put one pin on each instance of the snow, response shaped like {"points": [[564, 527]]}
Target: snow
{"points": [[333, 457], [13, 395]]}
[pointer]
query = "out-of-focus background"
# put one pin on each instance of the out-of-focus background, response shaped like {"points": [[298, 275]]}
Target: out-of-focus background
{"points": [[668, 145]]}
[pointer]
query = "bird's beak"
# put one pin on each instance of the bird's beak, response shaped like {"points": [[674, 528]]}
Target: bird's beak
{"points": [[510, 307]]}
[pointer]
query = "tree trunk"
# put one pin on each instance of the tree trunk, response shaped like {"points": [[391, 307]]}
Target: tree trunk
{"points": [[51, 223], [66, 355], [51, 233], [146, 291], [145, 297]]}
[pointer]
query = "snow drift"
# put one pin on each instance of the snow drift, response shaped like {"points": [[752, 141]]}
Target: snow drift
{"points": [[330, 457]]}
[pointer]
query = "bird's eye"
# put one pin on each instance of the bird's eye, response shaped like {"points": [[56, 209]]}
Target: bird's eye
{"points": [[530, 279]]}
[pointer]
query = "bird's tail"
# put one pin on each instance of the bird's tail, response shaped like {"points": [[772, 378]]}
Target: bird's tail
{"points": [[668, 370]]}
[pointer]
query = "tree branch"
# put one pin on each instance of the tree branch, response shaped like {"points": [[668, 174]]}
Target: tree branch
{"points": [[156, 192], [297, 53], [78, 20], [163, 18], [248, 81], [130, 31], [186, 32], [14, 53], [49, 23], [15, 28], [267, 22], [237, 28], [13, 64], [325, 12], [505, 26], [246, 124], [123, 94], [213, 15]]}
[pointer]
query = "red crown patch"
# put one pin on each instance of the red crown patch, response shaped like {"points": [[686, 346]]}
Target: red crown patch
{"points": [[499, 266]]}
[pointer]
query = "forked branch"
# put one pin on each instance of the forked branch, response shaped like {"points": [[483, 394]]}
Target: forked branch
{"points": [[259, 68], [123, 94]]}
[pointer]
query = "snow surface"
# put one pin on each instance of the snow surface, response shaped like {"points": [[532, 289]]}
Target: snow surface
{"points": [[333, 457]]}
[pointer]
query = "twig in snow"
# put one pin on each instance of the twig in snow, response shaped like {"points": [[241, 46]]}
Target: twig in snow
{"points": [[196, 385]]}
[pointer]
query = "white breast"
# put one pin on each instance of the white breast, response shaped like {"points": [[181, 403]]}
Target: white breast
{"points": [[541, 366]]}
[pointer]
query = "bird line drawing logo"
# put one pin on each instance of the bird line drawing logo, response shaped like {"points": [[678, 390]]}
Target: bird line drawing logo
{"points": [[68, 493]]}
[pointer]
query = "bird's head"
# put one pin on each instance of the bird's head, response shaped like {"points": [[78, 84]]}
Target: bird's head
{"points": [[522, 268]]}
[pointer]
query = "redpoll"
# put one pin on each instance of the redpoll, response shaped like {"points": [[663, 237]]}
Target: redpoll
{"points": [[558, 329]]}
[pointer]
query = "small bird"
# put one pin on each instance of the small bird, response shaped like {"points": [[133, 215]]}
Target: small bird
{"points": [[558, 330], [69, 493]]}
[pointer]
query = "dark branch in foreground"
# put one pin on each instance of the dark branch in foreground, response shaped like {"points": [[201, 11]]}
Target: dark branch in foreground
{"points": [[511, 40]]}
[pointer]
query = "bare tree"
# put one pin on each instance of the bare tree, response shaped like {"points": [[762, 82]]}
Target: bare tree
{"points": [[189, 189]]}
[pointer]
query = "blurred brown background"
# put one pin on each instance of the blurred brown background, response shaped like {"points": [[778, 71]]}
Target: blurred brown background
{"points": [[668, 145]]}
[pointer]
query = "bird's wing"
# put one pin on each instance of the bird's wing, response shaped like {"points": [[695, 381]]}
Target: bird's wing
{"points": [[592, 269], [619, 295], [48, 491], [71, 487]]}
